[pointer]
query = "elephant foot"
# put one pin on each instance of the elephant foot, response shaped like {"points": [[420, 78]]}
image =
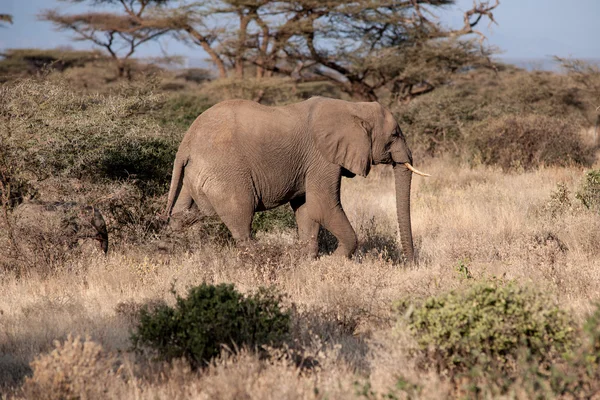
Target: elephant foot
{"points": [[308, 249], [344, 253]]}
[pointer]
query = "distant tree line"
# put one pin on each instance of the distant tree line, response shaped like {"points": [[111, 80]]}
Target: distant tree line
{"points": [[359, 46]]}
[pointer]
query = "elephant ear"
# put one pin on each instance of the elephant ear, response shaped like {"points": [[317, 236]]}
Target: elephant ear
{"points": [[344, 139]]}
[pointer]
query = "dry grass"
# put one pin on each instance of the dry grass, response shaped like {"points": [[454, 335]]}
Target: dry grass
{"points": [[516, 226]]}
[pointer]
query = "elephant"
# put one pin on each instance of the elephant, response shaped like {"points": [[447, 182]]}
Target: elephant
{"points": [[240, 157]]}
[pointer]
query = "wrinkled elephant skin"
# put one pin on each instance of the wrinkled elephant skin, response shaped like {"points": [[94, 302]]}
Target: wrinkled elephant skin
{"points": [[240, 157]]}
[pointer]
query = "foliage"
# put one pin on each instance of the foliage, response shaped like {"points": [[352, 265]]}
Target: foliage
{"points": [[14, 189], [17, 62], [527, 142], [6, 18], [487, 325], [577, 375], [580, 376], [559, 200], [589, 193], [358, 47], [49, 131], [41, 237], [209, 318], [196, 75], [118, 34], [450, 120], [181, 110], [586, 77], [403, 389], [276, 219]]}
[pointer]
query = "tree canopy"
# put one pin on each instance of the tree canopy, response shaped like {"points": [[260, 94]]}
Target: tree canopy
{"points": [[361, 47]]}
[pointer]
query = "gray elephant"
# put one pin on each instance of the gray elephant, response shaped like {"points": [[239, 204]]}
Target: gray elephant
{"points": [[239, 157]]}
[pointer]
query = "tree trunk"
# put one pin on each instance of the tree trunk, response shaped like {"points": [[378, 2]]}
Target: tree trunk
{"points": [[241, 46], [216, 59], [403, 177]]}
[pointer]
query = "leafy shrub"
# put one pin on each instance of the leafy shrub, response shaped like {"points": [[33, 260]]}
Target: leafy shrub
{"points": [[182, 110], [276, 219], [196, 75], [58, 144], [559, 201], [272, 90], [20, 61], [146, 161], [589, 194], [132, 213], [211, 317], [487, 325], [526, 142], [577, 376], [14, 189], [50, 130], [580, 375]]}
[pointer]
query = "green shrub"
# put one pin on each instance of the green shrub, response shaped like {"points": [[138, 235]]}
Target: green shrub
{"points": [[487, 326], [182, 110], [51, 131], [276, 219], [527, 142], [17, 62], [589, 194], [209, 318], [148, 161], [575, 377]]}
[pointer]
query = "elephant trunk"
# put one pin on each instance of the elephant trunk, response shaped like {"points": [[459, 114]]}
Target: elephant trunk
{"points": [[402, 180]]}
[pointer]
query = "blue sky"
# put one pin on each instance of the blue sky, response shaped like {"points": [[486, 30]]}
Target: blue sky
{"points": [[526, 28]]}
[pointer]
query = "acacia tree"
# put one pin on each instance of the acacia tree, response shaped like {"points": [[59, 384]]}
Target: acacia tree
{"points": [[359, 46], [363, 46], [120, 34], [6, 18]]}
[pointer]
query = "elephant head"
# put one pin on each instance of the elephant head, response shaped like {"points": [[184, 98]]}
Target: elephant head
{"points": [[358, 135]]}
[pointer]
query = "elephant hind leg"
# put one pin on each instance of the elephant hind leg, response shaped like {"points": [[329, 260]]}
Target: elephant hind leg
{"points": [[189, 209], [235, 210]]}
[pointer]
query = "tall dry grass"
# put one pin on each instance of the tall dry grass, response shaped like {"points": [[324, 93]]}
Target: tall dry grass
{"points": [[527, 227]]}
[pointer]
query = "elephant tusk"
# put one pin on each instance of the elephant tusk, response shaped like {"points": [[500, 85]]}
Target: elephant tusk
{"points": [[416, 171]]}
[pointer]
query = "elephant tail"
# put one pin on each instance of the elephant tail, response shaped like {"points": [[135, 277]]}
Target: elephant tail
{"points": [[176, 183]]}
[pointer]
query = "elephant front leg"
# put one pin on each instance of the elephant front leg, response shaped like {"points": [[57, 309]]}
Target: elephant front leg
{"points": [[336, 222], [308, 228]]}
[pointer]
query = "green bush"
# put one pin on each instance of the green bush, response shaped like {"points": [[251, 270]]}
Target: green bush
{"points": [[51, 131], [182, 110], [487, 326], [589, 194], [149, 161], [16, 62], [209, 318], [577, 376], [276, 219]]}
